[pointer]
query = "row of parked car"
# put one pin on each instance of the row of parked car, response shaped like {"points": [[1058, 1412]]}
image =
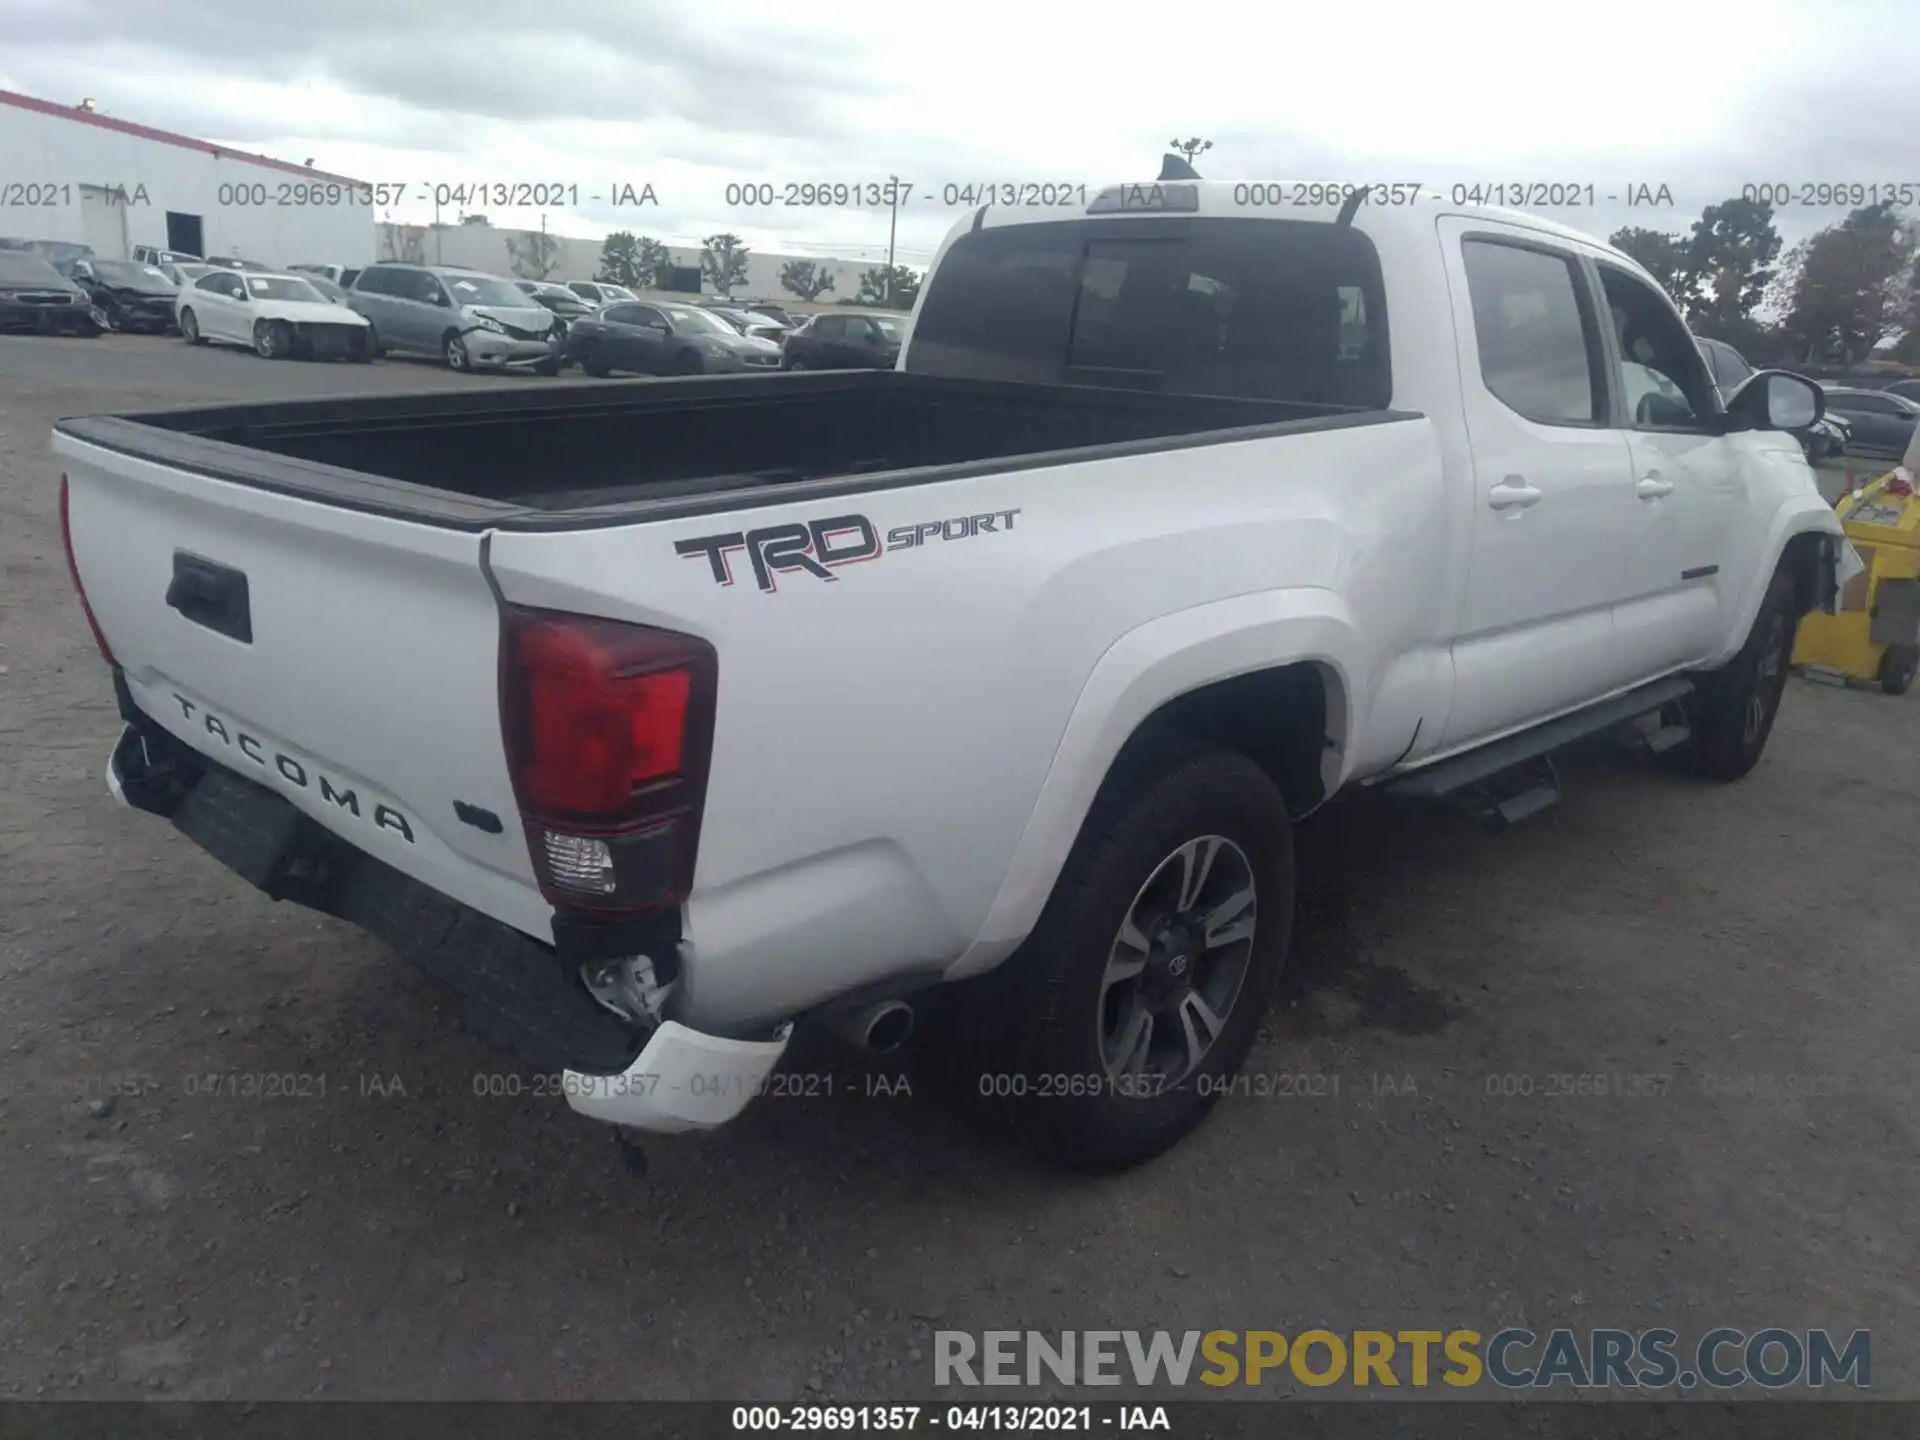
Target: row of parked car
{"points": [[1858, 420], [468, 319]]}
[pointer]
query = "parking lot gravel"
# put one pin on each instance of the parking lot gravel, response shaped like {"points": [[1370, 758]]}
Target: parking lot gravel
{"points": [[403, 1217]]}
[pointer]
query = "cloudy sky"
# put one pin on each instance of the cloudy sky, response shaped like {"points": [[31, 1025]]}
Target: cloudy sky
{"points": [[1696, 95]]}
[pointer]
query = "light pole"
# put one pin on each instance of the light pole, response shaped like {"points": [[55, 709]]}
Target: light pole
{"points": [[893, 216]]}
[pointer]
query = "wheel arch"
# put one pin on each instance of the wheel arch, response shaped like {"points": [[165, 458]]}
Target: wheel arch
{"points": [[1806, 540], [1271, 675]]}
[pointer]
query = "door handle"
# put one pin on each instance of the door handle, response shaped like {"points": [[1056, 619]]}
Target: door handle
{"points": [[1513, 493], [1652, 487]]}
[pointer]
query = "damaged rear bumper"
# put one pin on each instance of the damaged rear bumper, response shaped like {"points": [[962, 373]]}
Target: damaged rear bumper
{"points": [[515, 991]]}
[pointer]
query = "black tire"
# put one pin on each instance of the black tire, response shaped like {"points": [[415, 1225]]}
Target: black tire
{"points": [[793, 364], [1898, 667], [1034, 1027], [591, 361], [453, 350], [190, 328], [547, 367], [1733, 709], [688, 362], [272, 340], [375, 350]]}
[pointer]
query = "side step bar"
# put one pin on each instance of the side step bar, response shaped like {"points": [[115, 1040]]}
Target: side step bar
{"points": [[1503, 758]]}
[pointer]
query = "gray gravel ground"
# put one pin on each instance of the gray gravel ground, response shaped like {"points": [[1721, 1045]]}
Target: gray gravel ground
{"points": [[395, 1232]]}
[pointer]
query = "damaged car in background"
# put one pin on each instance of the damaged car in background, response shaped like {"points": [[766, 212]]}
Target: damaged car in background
{"points": [[36, 299], [275, 316], [132, 297]]}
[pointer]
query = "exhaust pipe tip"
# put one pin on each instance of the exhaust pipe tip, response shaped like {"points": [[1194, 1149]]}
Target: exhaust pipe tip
{"points": [[878, 1029], [889, 1026]]}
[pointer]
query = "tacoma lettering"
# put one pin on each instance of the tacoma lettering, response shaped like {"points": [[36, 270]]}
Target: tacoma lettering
{"points": [[385, 817]]}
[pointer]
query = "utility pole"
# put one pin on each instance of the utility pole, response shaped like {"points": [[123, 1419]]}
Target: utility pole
{"points": [[893, 215]]}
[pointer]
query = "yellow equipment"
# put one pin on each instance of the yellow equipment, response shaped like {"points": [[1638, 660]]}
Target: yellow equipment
{"points": [[1876, 635]]}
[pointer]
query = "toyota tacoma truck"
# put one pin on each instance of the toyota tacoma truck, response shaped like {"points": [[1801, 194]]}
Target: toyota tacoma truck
{"points": [[656, 717]]}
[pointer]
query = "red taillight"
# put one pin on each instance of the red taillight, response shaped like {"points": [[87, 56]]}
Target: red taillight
{"points": [[73, 570], [608, 728]]}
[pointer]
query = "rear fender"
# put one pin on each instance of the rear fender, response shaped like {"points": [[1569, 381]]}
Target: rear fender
{"points": [[1142, 671]]}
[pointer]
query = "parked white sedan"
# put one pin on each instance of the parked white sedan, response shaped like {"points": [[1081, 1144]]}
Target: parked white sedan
{"points": [[275, 316]]}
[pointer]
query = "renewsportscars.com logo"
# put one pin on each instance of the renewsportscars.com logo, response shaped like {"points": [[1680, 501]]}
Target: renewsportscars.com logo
{"points": [[1724, 1358]]}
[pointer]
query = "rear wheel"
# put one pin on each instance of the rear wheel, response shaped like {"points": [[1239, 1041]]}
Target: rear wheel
{"points": [[190, 329], [1898, 667], [1733, 709], [1111, 1033]]}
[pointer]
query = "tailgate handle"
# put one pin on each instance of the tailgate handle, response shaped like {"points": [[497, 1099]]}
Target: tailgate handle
{"points": [[211, 594]]}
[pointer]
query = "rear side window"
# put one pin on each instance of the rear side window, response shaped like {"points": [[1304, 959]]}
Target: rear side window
{"points": [[1271, 309], [1534, 327], [1728, 366]]}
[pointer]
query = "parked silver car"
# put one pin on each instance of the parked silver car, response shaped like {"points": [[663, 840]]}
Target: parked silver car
{"points": [[466, 318], [600, 292]]}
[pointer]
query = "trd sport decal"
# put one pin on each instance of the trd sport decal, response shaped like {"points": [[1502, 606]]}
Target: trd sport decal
{"points": [[819, 547]]}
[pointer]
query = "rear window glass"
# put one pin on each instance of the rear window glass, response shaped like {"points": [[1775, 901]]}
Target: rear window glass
{"points": [[1279, 310]]}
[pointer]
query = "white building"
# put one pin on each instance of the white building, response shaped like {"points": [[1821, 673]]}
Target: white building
{"points": [[533, 255], [75, 174]]}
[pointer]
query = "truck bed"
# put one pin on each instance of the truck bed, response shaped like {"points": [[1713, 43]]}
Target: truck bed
{"points": [[565, 454]]}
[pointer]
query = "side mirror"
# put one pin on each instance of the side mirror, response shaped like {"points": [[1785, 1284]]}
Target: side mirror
{"points": [[1776, 400]]}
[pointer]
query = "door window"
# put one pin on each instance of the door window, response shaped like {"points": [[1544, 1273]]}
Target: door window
{"points": [[426, 289], [1867, 405], [828, 327], [1534, 326], [1663, 379]]}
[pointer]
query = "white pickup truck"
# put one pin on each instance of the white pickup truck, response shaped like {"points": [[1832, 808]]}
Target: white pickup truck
{"points": [[656, 716]]}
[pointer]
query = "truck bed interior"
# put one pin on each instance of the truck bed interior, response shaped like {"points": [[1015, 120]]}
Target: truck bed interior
{"points": [[567, 447]]}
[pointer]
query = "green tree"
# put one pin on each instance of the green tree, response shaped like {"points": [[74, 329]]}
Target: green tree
{"points": [[1851, 286], [723, 263], [532, 254], [1660, 254], [892, 286], [620, 260], [406, 244], [1727, 263], [805, 279], [650, 257]]}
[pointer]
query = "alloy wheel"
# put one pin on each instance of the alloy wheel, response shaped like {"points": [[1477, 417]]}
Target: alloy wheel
{"points": [[1177, 965]]}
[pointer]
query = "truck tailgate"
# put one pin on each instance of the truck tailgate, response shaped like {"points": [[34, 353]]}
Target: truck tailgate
{"points": [[347, 661]]}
